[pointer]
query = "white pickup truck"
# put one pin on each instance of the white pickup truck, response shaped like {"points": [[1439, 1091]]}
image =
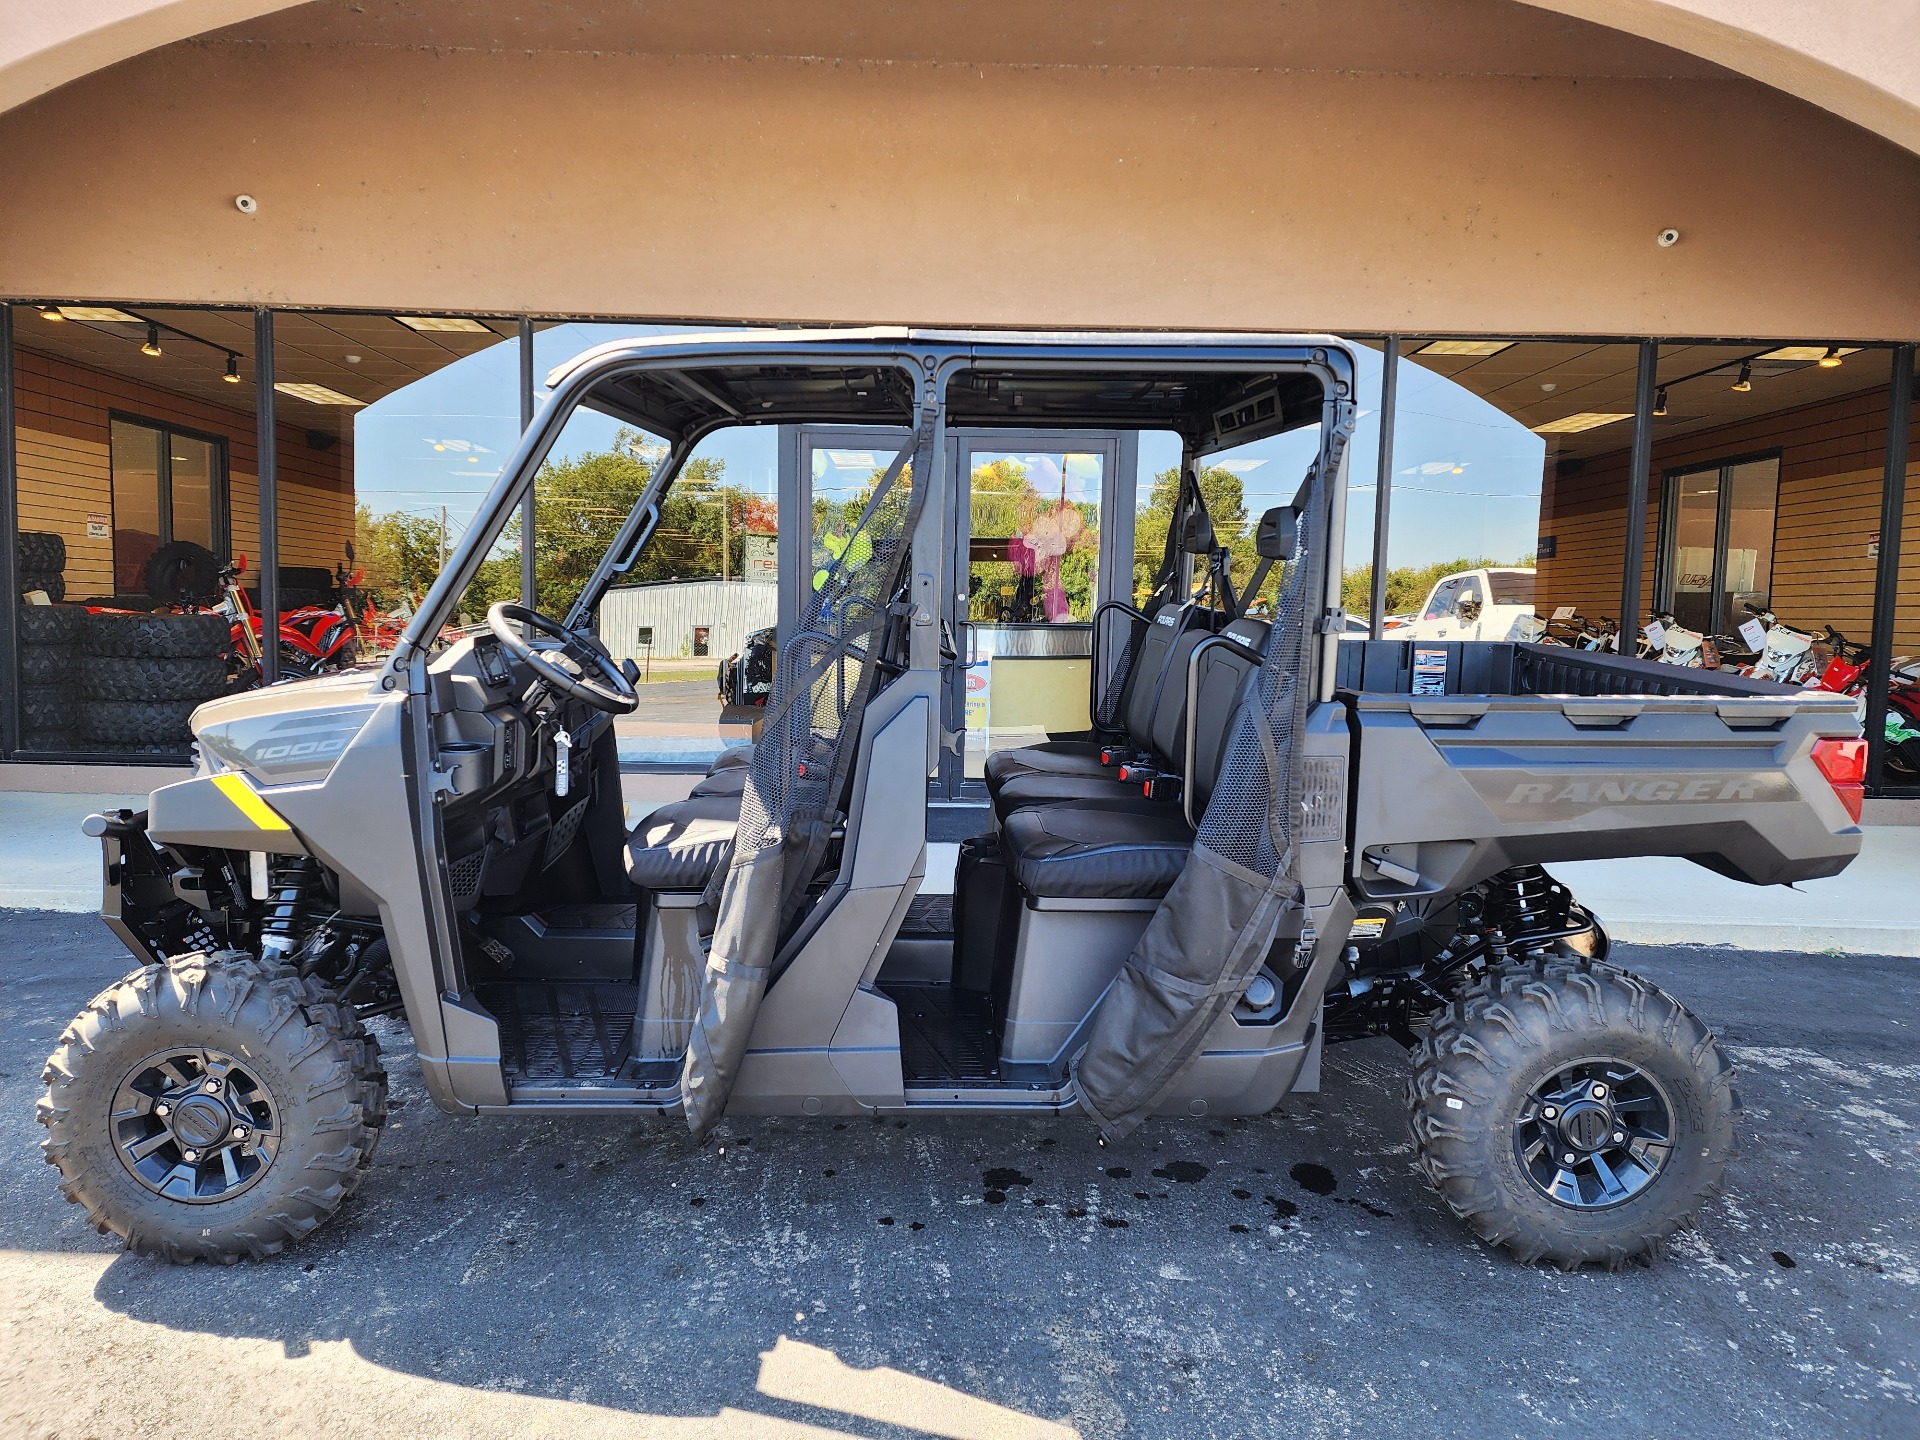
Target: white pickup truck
{"points": [[1491, 604]]}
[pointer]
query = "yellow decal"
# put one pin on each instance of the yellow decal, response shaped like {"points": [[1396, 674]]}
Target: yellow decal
{"points": [[263, 815]]}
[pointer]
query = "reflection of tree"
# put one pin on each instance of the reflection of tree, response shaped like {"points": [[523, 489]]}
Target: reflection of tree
{"points": [[580, 504], [836, 523], [1053, 549]]}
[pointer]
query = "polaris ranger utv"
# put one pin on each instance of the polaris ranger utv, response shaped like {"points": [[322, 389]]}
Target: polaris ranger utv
{"points": [[1271, 841]]}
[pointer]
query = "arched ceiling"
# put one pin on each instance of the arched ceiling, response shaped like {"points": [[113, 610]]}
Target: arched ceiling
{"points": [[1860, 61]]}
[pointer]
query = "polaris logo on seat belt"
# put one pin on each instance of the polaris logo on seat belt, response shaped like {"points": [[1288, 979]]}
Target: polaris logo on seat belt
{"points": [[1533, 795]]}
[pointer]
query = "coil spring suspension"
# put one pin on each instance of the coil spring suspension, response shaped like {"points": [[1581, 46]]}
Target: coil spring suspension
{"points": [[289, 906], [1524, 907]]}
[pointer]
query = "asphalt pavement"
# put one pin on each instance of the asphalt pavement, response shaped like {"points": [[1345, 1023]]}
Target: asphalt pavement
{"points": [[1286, 1276]]}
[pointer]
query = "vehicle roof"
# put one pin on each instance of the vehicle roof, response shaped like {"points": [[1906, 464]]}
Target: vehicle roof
{"points": [[1217, 387]]}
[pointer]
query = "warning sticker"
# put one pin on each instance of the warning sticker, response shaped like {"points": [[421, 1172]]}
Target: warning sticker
{"points": [[1429, 672]]}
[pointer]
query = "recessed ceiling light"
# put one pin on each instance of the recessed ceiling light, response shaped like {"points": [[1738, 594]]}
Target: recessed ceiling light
{"points": [[315, 394], [351, 359], [1585, 420], [1465, 347], [443, 322], [1810, 353], [105, 314]]}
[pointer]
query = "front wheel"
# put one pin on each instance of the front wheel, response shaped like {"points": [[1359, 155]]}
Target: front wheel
{"points": [[1572, 1112], [213, 1107]]}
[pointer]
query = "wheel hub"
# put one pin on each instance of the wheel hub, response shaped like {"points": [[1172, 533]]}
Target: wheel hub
{"points": [[1586, 1125], [199, 1122], [1594, 1133], [195, 1125]]}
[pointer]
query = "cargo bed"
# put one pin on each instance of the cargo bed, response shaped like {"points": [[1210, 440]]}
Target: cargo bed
{"points": [[1473, 756]]}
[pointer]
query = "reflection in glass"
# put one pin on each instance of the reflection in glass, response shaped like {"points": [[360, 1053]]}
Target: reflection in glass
{"points": [[1033, 551], [136, 503]]}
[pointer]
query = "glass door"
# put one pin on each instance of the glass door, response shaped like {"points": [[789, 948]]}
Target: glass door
{"points": [[1034, 554], [1716, 541]]}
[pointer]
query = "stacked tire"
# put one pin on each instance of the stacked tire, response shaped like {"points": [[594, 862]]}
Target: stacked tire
{"points": [[142, 676], [41, 559], [50, 664]]}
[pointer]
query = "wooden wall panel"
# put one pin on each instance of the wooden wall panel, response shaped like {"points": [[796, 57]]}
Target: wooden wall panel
{"points": [[1831, 457], [63, 413], [62, 481]]}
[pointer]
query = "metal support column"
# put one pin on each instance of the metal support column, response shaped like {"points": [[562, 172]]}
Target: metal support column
{"points": [[1886, 578], [1383, 486], [269, 472], [1634, 552], [529, 583], [9, 539]]}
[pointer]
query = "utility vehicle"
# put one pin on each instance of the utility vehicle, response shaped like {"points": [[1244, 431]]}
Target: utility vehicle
{"points": [[1272, 840]]}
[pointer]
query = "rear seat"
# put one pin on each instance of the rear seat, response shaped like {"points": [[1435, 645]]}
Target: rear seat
{"points": [[1140, 691], [1164, 737], [1132, 849]]}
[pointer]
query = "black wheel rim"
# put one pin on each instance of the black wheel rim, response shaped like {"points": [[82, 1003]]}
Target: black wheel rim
{"points": [[1594, 1133], [195, 1125]]}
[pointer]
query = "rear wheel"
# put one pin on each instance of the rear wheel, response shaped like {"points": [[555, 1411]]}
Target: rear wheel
{"points": [[1572, 1112], [212, 1108]]}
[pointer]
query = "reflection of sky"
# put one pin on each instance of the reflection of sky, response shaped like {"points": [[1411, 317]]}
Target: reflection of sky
{"points": [[1053, 475], [1467, 478]]}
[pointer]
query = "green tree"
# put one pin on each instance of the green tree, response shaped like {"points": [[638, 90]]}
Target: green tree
{"points": [[579, 506], [399, 554], [1226, 507]]}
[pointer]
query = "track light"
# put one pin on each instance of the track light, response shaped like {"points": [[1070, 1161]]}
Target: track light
{"points": [[1745, 382], [1830, 360], [232, 377], [1660, 402], [51, 312], [152, 347]]}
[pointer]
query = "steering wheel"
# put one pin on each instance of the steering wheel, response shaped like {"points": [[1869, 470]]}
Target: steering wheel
{"points": [[612, 692]]}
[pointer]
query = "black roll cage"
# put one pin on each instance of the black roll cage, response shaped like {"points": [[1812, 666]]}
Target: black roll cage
{"points": [[917, 355]]}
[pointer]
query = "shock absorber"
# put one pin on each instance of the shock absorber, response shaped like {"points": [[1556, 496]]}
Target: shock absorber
{"points": [[1526, 904], [289, 903]]}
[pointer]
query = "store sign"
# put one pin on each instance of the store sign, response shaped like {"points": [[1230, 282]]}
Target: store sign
{"points": [[760, 562], [1873, 545], [99, 527]]}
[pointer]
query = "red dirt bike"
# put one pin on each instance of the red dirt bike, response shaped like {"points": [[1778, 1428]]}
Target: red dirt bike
{"points": [[313, 639]]}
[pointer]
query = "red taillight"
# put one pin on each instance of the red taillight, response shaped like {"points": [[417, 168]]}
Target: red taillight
{"points": [[1844, 763]]}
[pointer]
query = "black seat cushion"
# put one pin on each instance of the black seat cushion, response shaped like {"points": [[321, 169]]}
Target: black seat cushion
{"points": [[1069, 853], [729, 780], [1103, 788], [1052, 757], [681, 846]]}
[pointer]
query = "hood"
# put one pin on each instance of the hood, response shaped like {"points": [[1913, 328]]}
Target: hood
{"points": [[287, 734]]}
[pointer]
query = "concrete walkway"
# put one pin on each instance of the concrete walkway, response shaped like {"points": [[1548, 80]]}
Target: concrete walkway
{"points": [[1873, 908]]}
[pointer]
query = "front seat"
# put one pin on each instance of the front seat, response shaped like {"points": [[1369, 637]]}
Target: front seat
{"points": [[683, 845]]}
